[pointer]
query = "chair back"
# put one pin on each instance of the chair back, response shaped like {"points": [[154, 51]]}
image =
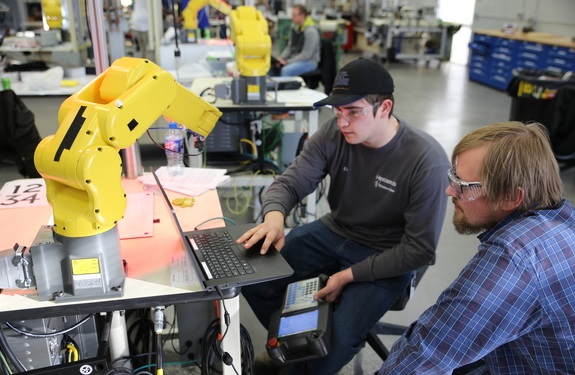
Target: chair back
{"points": [[392, 329], [327, 64], [562, 126], [418, 275]]}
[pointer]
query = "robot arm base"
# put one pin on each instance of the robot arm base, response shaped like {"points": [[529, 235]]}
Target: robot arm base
{"points": [[77, 268], [65, 269]]}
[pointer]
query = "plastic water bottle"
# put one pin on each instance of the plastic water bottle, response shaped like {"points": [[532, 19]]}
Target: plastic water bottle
{"points": [[174, 144]]}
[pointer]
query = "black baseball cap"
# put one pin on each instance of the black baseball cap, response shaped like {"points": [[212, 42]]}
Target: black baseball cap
{"points": [[357, 79]]}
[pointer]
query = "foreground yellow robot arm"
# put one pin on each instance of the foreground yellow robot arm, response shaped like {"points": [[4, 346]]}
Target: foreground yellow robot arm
{"points": [[81, 164], [79, 257]]}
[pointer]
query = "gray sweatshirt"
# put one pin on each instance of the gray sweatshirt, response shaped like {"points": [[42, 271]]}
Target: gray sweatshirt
{"points": [[303, 45], [390, 198]]}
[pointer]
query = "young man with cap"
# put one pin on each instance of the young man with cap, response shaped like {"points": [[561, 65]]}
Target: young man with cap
{"points": [[387, 210]]}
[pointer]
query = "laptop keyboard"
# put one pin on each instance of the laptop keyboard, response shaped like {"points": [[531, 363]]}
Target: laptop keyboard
{"points": [[221, 260]]}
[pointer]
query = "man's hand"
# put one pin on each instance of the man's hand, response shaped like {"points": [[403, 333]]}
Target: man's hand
{"points": [[272, 229], [334, 286], [282, 61]]}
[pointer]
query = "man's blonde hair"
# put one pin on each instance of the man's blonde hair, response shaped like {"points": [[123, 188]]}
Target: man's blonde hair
{"points": [[518, 156]]}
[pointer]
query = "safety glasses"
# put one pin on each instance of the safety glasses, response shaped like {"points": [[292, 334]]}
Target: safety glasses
{"points": [[463, 190], [352, 113]]}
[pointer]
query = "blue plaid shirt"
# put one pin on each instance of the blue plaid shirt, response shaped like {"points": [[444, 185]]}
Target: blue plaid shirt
{"points": [[513, 305]]}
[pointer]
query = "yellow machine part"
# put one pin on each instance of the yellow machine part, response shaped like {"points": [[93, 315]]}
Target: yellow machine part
{"points": [[52, 12], [251, 36], [190, 12], [81, 163]]}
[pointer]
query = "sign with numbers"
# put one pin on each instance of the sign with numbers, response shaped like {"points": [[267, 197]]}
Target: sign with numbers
{"points": [[28, 192]]}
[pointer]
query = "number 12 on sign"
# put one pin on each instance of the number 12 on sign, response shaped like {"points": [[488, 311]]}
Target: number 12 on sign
{"points": [[23, 193]]}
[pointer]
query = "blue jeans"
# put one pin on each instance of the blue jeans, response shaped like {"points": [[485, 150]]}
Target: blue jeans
{"points": [[313, 249], [298, 68]]}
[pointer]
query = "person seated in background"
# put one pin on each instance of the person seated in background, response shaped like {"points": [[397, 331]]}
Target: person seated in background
{"points": [[302, 52], [511, 310], [386, 213]]}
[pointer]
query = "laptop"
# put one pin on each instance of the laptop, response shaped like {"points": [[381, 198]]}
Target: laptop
{"points": [[240, 266]]}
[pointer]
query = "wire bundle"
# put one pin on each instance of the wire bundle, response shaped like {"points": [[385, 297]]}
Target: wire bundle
{"points": [[212, 351]]}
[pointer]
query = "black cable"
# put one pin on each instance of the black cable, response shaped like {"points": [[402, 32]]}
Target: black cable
{"points": [[171, 334], [105, 336], [212, 349], [186, 154], [226, 357], [67, 340], [238, 170], [206, 90], [120, 371], [140, 335], [247, 350], [44, 335], [130, 357], [88, 26], [9, 353], [208, 341]]}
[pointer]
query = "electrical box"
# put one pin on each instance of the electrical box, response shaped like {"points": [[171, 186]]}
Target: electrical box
{"points": [[39, 352]]}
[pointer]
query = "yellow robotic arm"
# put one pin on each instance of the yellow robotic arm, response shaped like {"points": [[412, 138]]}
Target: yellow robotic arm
{"points": [[190, 12], [79, 257], [81, 164], [249, 32]]}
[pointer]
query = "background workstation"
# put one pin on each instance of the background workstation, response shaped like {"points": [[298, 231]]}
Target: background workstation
{"points": [[446, 100]]}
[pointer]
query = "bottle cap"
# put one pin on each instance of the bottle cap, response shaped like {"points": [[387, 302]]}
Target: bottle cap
{"points": [[174, 125]]}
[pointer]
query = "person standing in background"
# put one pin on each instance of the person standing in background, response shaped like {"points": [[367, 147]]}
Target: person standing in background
{"points": [[139, 25]]}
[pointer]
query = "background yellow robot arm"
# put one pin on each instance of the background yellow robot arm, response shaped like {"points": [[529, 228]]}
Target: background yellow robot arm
{"points": [[249, 32], [81, 163], [190, 12]]}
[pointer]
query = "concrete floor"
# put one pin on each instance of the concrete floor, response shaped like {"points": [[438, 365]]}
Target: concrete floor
{"points": [[439, 100]]}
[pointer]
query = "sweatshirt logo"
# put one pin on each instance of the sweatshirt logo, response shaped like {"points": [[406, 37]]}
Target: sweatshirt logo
{"points": [[385, 183]]}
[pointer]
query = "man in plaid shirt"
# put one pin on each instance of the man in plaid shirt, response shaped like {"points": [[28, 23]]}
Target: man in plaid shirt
{"points": [[512, 308]]}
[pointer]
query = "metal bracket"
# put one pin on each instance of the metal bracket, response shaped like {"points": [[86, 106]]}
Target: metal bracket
{"points": [[19, 259]]}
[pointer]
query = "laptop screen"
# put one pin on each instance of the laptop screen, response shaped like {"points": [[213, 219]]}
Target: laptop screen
{"points": [[188, 258]]}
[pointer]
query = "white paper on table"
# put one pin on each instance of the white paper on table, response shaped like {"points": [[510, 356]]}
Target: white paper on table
{"points": [[192, 181]]}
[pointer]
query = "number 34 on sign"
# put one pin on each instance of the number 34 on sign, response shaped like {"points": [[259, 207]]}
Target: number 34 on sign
{"points": [[29, 192]]}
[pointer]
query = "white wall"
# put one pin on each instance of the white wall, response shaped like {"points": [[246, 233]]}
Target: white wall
{"points": [[549, 16]]}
